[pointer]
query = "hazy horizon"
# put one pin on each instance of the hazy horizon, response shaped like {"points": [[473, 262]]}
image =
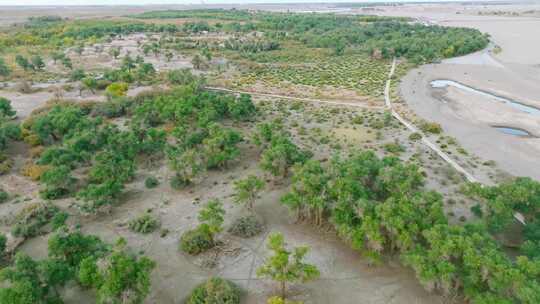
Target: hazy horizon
{"points": [[188, 2]]}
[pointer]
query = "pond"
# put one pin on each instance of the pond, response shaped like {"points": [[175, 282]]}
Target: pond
{"points": [[442, 83], [513, 131]]}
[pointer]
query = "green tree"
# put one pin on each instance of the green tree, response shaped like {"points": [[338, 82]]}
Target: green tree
{"points": [[286, 266], [58, 181], [116, 89], [246, 190], [114, 52], [28, 281], [188, 164], [280, 155], [127, 63], [90, 83], [77, 75], [37, 62], [66, 62], [23, 62], [6, 111], [309, 193], [57, 56], [219, 147], [79, 49], [196, 61], [5, 71], [206, 54], [169, 56], [123, 279], [145, 70], [212, 215]]}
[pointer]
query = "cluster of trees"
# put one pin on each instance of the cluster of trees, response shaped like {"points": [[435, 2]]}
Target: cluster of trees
{"points": [[251, 46], [220, 14], [131, 70], [279, 152], [73, 32], [9, 130], [382, 37], [379, 206], [117, 275], [35, 63], [502, 201], [75, 135], [73, 138], [202, 238]]}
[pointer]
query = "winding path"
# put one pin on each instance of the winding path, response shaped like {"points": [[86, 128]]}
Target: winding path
{"points": [[412, 128], [332, 102], [387, 100]]}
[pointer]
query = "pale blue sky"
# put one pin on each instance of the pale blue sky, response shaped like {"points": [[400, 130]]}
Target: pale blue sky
{"points": [[143, 2]]}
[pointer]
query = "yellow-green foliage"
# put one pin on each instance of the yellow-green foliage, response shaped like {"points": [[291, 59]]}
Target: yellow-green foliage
{"points": [[354, 72], [34, 171]]}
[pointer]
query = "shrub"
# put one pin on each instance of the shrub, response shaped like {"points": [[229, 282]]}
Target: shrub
{"points": [[143, 224], [215, 291], [32, 218], [3, 244], [415, 136], [4, 196], [33, 140], [431, 127], [197, 240], [477, 210], [116, 89], [5, 164], [358, 120], [280, 300], [34, 172], [59, 220], [151, 182], [394, 148], [110, 109], [246, 227]]}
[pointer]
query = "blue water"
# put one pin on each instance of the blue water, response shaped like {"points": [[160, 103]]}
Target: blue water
{"points": [[519, 106], [513, 131]]}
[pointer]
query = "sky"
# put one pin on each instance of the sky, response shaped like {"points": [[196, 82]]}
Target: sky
{"points": [[146, 2]]}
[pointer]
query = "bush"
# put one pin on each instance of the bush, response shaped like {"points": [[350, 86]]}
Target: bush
{"points": [[4, 196], [110, 109], [151, 182], [197, 240], [394, 148], [3, 244], [52, 193], [32, 218], [215, 291], [33, 140], [59, 220], [34, 172], [477, 210], [143, 224], [358, 120], [431, 127], [280, 300], [5, 164], [246, 227], [178, 182], [415, 136]]}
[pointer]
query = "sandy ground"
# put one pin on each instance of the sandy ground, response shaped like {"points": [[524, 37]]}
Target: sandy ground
{"points": [[513, 73], [346, 276]]}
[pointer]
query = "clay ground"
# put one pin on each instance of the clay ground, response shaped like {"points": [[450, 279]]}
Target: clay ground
{"points": [[346, 276]]}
